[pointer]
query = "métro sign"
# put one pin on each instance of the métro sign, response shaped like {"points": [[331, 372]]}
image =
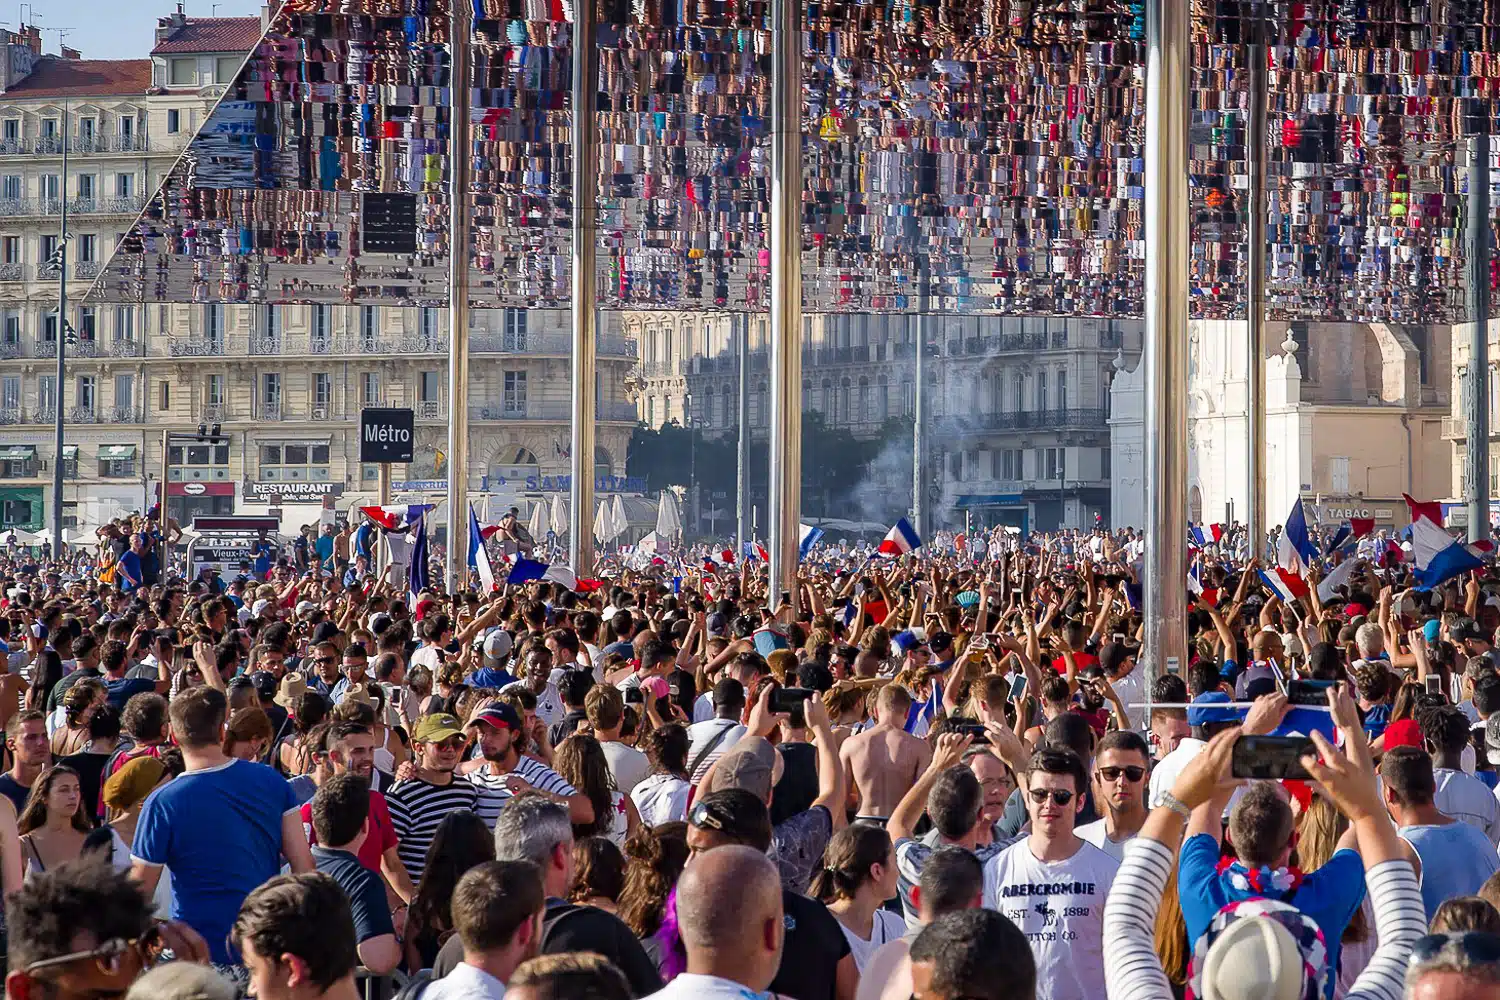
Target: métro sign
{"points": [[386, 434]]}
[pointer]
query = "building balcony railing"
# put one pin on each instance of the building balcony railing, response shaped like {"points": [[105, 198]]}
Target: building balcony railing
{"points": [[41, 415], [86, 269], [10, 350], [117, 205], [213, 413], [1068, 419], [85, 415], [560, 412], [126, 415], [431, 409], [269, 411], [10, 415], [52, 145], [12, 272], [46, 272]]}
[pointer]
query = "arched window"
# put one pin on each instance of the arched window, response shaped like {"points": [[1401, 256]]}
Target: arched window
{"points": [[882, 396], [844, 394], [865, 414], [706, 411], [825, 403], [603, 465]]}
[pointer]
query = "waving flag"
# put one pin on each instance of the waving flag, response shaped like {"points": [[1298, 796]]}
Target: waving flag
{"points": [[417, 576], [1195, 578], [479, 556], [900, 540], [1336, 578], [754, 550], [525, 570], [1430, 509], [1196, 534], [1295, 550], [397, 517], [1217, 530], [1362, 526], [1437, 555], [809, 536], [1339, 537]]}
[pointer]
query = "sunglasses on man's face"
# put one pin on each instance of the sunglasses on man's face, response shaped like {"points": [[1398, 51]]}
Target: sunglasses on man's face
{"points": [[110, 957], [1060, 796], [1131, 772]]}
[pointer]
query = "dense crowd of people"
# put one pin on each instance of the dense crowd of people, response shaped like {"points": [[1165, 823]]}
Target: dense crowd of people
{"points": [[939, 776]]}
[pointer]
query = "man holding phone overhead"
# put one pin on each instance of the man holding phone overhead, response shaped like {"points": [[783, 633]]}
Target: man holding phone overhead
{"points": [[1260, 828]]}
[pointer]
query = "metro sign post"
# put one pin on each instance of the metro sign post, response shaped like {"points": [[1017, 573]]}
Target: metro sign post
{"points": [[386, 435]]}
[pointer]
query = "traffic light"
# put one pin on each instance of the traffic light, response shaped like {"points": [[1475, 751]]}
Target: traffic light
{"points": [[211, 434]]}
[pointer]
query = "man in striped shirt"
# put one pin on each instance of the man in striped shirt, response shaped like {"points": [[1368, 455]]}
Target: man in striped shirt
{"points": [[505, 771], [419, 804]]}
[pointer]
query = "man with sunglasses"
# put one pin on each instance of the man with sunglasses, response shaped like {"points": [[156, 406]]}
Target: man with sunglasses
{"points": [[85, 932], [1053, 883], [1120, 767], [324, 676], [418, 804]]}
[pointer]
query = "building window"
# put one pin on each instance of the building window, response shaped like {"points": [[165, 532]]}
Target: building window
{"points": [[213, 390], [1338, 474], [427, 387], [49, 250], [1062, 389], [1041, 392], [369, 473], [369, 389], [271, 322], [86, 127], [515, 329], [513, 398], [84, 396], [88, 248], [124, 397], [427, 321], [225, 67], [174, 121], [164, 396], [213, 321], [196, 455], [124, 324], [303, 461], [88, 325], [270, 393], [1104, 460], [10, 393], [49, 128], [10, 188], [12, 129], [124, 185], [322, 391], [117, 468], [182, 72], [49, 328], [86, 187], [368, 327], [320, 329], [10, 250]]}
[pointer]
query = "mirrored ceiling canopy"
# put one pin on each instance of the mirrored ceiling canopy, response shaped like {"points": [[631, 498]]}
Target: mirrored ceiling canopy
{"points": [[993, 147]]}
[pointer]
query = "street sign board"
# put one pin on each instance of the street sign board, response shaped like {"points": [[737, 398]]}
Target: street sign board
{"points": [[386, 434]]}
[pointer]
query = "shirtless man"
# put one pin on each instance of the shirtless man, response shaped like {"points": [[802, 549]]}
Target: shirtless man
{"points": [[882, 762]]}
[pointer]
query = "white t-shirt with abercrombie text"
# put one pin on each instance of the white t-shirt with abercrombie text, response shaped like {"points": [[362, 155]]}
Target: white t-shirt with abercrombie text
{"points": [[1059, 906]]}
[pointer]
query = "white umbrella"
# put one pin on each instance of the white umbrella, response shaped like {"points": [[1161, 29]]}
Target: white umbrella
{"points": [[559, 516], [602, 533], [538, 525], [668, 522], [618, 521]]}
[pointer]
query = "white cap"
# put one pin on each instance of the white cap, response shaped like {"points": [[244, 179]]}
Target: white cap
{"points": [[1254, 959], [497, 645], [305, 608], [259, 607]]}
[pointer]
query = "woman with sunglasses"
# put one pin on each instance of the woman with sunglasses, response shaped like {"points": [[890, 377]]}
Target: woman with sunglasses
{"points": [[55, 822]]}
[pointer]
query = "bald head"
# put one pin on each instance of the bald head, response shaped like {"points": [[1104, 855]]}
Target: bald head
{"points": [[740, 942], [1266, 646]]}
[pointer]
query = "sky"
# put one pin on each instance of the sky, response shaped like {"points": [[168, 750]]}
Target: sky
{"points": [[111, 29]]}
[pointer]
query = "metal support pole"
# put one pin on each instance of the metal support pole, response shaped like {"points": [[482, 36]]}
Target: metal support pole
{"points": [[460, 166], [164, 516], [585, 284], [740, 324], [1166, 229], [1477, 276], [381, 556], [62, 338], [785, 495], [1256, 245], [919, 403]]}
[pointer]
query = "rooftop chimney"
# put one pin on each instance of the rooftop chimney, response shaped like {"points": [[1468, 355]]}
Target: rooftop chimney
{"points": [[168, 26], [71, 53]]}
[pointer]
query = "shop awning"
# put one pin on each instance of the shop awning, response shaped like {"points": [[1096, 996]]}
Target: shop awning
{"points": [[116, 452], [70, 452], [17, 453]]}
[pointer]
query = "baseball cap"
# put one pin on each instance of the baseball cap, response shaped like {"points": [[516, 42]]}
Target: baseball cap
{"points": [[751, 767], [498, 714], [716, 623], [1431, 629], [258, 608], [305, 608], [497, 645], [906, 641], [1208, 715], [1467, 628], [265, 684], [436, 727]]}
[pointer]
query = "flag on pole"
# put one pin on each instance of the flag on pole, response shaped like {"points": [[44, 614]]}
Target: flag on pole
{"points": [[1336, 578], [1195, 578], [1430, 509], [1217, 530], [1437, 555], [1343, 534], [398, 516], [526, 570], [1295, 550], [901, 539], [1195, 533], [1362, 526], [417, 575], [809, 537], [479, 556]]}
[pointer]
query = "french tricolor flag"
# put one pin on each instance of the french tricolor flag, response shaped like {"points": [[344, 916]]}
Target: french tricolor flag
{"points": [[397, 517], [900, 540], [1437, 555], [808, 536]]}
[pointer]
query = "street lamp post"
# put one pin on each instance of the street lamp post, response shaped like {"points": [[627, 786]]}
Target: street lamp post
{"points": [[58, 416]]}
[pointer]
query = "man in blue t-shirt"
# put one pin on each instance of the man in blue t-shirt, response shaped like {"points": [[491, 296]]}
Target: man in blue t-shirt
{"points": [[261, 550], [341, 820], [222, 827], [1260, 828], [129, 573]]}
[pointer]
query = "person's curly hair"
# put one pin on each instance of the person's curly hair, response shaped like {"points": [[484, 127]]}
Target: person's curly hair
{"points": [[46, 913], [655, 858]]}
